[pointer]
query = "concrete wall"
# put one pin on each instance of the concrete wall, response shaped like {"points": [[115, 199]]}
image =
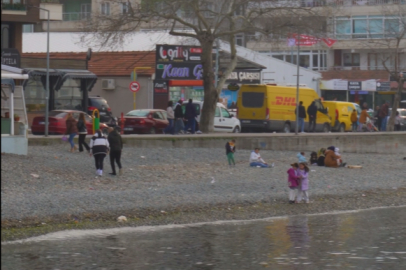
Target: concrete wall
{"points": [[14, 145], [374, 143], [121, 98]]}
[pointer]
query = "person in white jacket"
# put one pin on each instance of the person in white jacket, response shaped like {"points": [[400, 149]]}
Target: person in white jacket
{"points": [[256, 160], [99, 147]]}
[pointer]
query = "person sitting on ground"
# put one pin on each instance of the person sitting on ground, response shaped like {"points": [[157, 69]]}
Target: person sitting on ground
{"points": [[321, 157], [301, 157], [313, 159], [256, 160], [331, 159]]}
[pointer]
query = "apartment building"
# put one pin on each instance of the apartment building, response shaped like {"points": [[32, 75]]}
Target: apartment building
{"points": [[15, 14], [355, 68]]}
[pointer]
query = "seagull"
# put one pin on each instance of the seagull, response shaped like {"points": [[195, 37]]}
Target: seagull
{"points": [[212, 180]]}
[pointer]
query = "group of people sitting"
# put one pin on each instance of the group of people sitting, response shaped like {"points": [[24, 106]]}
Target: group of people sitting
{"points": [[329, 157]]}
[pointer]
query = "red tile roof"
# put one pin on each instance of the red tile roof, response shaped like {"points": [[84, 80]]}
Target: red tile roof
{"points": [[109, 63]]}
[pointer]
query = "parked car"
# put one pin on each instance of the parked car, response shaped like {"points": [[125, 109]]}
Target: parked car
{"points": [[57, 123], [402, 114], [224, 121], [99, 103], [148, 121]]}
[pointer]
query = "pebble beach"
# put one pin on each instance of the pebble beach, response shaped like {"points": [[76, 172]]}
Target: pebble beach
{"points": [[51, 183]]}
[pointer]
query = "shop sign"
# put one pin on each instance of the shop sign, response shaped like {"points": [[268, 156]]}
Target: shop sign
{"points": [[245, 76], [11, 57], [185, 71], [233, 87], [354, 86], [369, 85], [160, 87], [383, 86], [340, 85], [178, 53]]}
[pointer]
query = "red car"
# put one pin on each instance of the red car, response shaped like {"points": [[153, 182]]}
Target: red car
{"points": [[148, 121], [57, 123]]}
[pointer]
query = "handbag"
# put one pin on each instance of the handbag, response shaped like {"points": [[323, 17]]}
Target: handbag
{"points": [[64, 138]]}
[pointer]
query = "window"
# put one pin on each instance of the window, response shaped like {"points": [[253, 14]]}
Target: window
{"points": [[217, 113], [5, 36], [105, 8], [315, 59], [28, 28], [252, 99], [125, 7], [239, 40], [225, 113], [351, 59], [157, 115], [380, 60], [367, 26], [85, 10]]}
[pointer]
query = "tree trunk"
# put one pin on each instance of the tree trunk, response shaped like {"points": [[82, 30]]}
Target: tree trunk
{"points": [[391, 122], [210, 93]]}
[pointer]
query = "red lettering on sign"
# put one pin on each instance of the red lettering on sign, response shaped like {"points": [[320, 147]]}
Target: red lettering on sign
{"points": [[287, 101]]}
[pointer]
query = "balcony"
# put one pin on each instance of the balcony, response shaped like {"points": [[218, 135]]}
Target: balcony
{"points": [[76, 16], [55, 10], [13, 8], [340, 3]]}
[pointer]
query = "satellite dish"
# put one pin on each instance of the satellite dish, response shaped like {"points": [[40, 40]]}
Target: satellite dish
{"points": [[89, 54]]}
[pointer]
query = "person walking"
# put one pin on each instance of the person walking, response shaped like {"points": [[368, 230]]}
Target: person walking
{"points": [[81, 125], [116, 146], [190, 115], [178, 127], [303, 174], [170, 114], [363, 117], [398, 120], [99, 147], [354, 120], [230, 150], [293, 182], [383, 113], [312, 112], [71, 130], [302, 116]]}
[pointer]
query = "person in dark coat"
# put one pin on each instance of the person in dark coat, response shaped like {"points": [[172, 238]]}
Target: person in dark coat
{"points": [[116, 146], [81, 125], [312, 112], [190, 115], [178, 118], [302, 116]]}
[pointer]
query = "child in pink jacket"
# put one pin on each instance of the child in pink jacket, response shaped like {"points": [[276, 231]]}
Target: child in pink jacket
{"points": [[293, 182]]}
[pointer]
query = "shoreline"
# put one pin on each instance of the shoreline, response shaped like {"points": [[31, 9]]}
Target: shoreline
{"points": [[30, 227]]}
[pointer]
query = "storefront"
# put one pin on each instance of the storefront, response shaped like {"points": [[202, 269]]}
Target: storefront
{"points": [[179, 74]]}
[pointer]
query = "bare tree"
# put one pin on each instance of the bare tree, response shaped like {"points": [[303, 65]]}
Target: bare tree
{"points": [[388, 42], [203, 20]]}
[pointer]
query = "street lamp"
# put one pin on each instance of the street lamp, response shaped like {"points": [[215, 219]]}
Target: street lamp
{"points": [[297, 83], [47, 76]]}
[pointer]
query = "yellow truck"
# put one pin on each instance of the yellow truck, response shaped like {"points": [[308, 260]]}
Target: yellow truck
{"points": [[340, 113], [272, 108]]}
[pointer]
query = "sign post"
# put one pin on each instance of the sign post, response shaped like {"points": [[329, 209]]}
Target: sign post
{"points": [[134, 85]]}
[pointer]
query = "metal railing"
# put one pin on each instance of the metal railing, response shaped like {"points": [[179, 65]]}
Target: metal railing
{"points": [[76, 16], [319, 3], [363, 68]]}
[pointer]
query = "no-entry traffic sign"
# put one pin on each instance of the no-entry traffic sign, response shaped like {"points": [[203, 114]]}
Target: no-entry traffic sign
{"points": [[135, 87]]}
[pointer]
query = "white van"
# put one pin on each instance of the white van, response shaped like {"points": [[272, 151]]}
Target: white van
{"points": [[224, 121]]}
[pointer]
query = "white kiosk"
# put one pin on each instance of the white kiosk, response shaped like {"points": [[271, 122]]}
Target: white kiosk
{"points": [[14, 124]]}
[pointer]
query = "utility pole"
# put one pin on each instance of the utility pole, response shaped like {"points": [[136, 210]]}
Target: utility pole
{"points": [[297, 84]]}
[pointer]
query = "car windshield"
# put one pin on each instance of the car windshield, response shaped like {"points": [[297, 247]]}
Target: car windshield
{"points": [[98, 102], [141, 113], [57, 114]]}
